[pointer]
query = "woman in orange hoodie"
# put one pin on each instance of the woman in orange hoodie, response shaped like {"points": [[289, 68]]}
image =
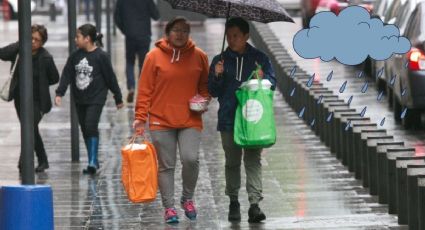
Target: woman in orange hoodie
{"points": [[173, 72]]}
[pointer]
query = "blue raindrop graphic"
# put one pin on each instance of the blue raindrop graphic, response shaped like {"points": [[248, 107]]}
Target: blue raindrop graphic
{"points": [[406, 64], [292, 92], [382, 122], [310, 81], [350, 100], [380, 95], [329, 78], [348, 125], [294, 69], [320, 99], [329, 118], [365, 86], [341, 90], [363, 111], [393, 79], [380, 72], [403, 92], [312, 122], [360, 74], [403, 114], [301, 114]]}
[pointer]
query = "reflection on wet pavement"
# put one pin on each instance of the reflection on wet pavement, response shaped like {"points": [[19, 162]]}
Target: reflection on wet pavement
{"points": [[305, 187]]}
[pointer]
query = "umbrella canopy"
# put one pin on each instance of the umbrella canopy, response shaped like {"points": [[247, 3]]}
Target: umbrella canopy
{"points": [[255, 10]]}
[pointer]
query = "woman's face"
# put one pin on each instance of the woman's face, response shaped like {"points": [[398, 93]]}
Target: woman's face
{"points": [[179, 34], [236, 39], [37, 41], [81, 41]]}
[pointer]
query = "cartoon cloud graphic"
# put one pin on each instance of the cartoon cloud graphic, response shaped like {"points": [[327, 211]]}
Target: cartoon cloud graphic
{"points": [[349, 38]]}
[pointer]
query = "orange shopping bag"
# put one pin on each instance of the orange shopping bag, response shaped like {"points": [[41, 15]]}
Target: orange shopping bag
{"points": [[139, 172]]}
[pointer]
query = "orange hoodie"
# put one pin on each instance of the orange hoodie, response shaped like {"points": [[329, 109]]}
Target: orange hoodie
{"points": [[169, 79]]}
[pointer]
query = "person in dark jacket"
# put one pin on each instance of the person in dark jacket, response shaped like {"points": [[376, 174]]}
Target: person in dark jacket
{"points": [[133, 18], [90, 73], [227, 72], [45, 74]]}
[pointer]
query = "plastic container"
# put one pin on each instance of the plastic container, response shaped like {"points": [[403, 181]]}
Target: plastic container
{"points": [[198, 103], [253, 84]]}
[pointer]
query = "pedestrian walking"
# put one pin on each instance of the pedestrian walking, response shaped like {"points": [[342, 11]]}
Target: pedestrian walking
{"points": [[133, 18], [227, 72], [90, 73], [174, 72], [45, 74]]}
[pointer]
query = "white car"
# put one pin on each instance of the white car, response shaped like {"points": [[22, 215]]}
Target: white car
{"points": [[13, 4]]}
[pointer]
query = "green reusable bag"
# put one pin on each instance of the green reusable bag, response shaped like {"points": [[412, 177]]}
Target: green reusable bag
{"points": [[254, 121]]}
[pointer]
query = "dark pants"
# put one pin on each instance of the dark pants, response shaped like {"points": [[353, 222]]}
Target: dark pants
{"points": [[38, 142], [133, 48], [88, 117]]}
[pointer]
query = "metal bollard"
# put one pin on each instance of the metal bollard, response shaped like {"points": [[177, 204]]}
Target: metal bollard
{"points": [[421, 203], [413, 175], [343, 125], [324, 113], [335, 138], [350, 148], [382, 170], [392, 157], [401, 186], [328, 129]]}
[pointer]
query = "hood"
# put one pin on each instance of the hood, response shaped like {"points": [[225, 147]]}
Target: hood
{"points": [[175, 53]]}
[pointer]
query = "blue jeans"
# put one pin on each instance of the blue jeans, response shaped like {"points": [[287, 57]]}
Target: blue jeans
{"points": [[133, 48]]}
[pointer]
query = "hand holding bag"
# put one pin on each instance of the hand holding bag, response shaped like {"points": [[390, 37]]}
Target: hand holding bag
{"points": [[139, 172], [6, 92]]}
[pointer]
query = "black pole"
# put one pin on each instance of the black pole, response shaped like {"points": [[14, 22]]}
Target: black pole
{"points": [[26, 92], [98, 15], [114, 28], [108, 26], [72, 31]]}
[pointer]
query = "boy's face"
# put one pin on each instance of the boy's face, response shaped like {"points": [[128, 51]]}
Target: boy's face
{"points": [[236, 39]]}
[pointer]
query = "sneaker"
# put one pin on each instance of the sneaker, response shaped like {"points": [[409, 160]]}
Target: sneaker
{"points": [[234, 211], [189, 209], [255, 215], [130, 96], [170, 215]]}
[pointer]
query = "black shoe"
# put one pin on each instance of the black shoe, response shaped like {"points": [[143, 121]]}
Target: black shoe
{"points": [[130, 96], [41, 167], [255, 215], [89, 170], [234, 211]]}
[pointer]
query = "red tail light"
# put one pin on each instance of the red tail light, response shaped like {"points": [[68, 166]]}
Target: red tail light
{"points": [[416, 59]]}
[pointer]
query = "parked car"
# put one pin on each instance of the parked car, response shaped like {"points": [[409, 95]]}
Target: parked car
{"points": [[407, 91], [13, 5], [373, 67]]}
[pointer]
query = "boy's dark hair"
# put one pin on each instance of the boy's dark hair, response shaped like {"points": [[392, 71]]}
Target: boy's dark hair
{"points": [[41, 30], [90, 30], [175, 20], [239, 22]]}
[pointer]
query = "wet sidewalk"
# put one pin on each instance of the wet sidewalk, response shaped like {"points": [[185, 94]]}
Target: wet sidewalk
{"points": [[305, 187]]}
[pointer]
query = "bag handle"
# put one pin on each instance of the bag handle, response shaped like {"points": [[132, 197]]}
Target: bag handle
{"points": [[256, 72], [14, 65], [134, 137]]}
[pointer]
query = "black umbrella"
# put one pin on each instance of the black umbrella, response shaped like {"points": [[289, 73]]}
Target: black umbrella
{"points": [[255, 10]]}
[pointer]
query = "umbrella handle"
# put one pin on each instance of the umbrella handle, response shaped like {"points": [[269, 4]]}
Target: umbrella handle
{"points": [[224, 36]]}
